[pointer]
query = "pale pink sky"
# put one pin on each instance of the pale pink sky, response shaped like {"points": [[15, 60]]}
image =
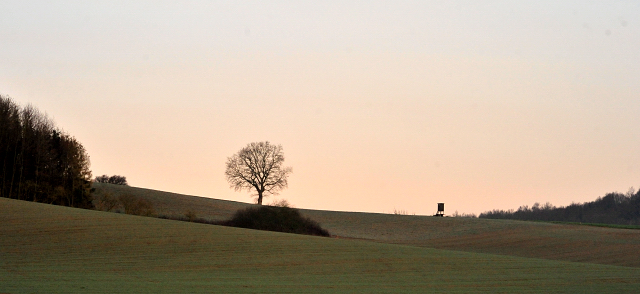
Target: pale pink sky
{"points": [[379, 105]]}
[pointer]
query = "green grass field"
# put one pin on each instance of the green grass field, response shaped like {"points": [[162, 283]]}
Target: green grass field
{"points": [[567, 242], [52, 249]]}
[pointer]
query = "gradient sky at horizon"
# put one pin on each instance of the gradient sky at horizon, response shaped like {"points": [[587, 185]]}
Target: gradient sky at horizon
{"points": [[379, 105]]}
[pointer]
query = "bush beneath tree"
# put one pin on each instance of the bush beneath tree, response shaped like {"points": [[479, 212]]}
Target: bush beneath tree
{"points": [[277, 219]]}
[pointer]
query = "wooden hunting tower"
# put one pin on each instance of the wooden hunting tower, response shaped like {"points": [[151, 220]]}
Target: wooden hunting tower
{"points": [[440, 212]]}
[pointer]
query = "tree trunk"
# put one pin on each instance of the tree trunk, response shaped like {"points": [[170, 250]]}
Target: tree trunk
{"points": [[259, 197]]}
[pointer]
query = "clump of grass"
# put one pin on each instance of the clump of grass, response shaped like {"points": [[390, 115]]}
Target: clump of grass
{"points": [[277, 219]]}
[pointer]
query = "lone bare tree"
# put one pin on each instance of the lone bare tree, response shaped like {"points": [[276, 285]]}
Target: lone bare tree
{"points": [[258, 166]]}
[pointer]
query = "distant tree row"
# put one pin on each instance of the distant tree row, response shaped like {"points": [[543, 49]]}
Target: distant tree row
{"points": [[38, 161], [613, 208], [116, 180]]}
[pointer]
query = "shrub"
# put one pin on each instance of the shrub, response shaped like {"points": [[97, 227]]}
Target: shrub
{"points": [[136, 206], [277, 219], [191, 216], [467, 215], [281, 203], [106, 202], [116, 180], [400, 212]]}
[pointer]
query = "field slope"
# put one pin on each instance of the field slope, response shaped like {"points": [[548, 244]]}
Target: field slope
{"points": [[52, 249], [517, 238]]}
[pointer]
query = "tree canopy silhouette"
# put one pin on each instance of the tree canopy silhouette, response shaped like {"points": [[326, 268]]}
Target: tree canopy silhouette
{"points": [[115, 179], [40, 162], [613, 208], [258, 166]]}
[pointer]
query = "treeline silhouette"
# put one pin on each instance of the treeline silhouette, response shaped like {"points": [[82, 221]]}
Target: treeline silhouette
{"points": [[613, 208], [115, 179], [40, 162]]}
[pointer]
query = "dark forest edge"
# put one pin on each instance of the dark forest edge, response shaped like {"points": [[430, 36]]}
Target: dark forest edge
{"points": [[613, 209], [40, 162]]}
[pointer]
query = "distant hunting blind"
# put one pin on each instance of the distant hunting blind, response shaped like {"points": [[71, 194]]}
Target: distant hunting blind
{"points": [[440, 212]]}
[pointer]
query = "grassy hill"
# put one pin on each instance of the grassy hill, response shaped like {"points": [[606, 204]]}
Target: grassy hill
{"points": [[517, 238], [54, 249]]}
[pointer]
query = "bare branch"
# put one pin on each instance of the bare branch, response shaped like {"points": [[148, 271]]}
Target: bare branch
{"points": [[258, 166]]}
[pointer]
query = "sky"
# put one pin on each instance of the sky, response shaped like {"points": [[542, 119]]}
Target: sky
{"points": [[380, 106]]}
